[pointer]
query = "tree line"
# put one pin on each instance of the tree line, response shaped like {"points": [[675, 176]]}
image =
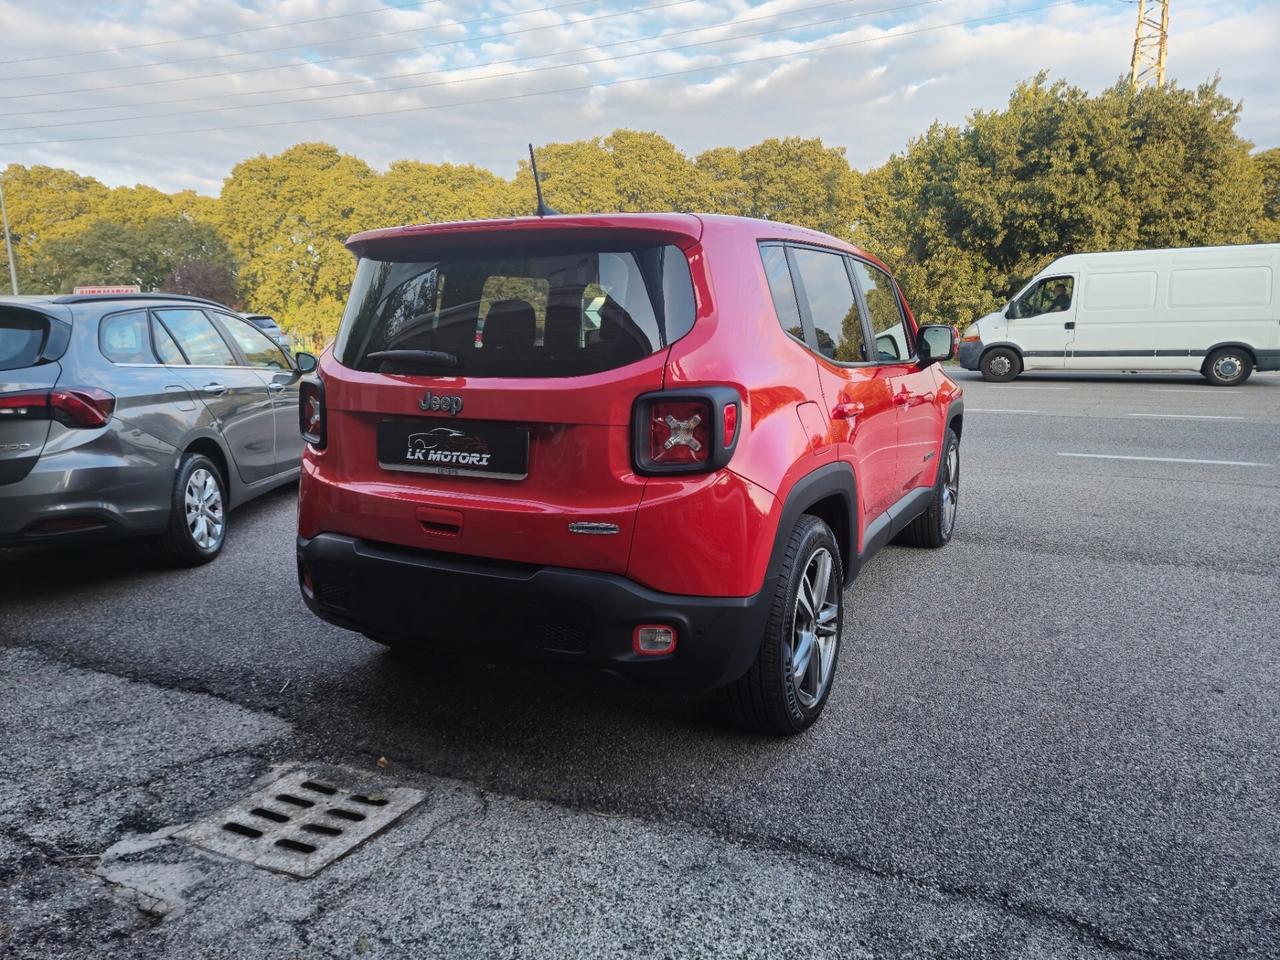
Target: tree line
{"points": [[963, 215]]}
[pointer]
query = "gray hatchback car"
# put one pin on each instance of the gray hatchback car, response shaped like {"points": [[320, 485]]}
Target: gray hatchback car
{"points": [[142, 414]]}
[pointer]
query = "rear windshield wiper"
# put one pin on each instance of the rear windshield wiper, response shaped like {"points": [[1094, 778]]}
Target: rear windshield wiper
{"points": [[413, 358]]}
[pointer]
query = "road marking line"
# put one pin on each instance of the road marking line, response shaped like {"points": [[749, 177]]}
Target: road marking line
{"points": [[1182, 416], [998, 410], [1203, 391], [1117, 456]]}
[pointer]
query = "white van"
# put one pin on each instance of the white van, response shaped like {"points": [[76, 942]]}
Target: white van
{"points": [[1212, 310]]}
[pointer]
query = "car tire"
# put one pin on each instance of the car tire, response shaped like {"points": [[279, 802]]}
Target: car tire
{"points": [[1228, 367], [197, 526], [805, 617], [1000, 365], [934, 527]]}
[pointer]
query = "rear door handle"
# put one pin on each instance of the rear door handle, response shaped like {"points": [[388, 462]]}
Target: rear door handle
{"points": [[275, 387], [215, 389], [846, 411], [902, 399]]}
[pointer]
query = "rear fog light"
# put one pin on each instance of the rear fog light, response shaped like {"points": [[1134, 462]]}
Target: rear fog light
{"points": [[653, 640]]}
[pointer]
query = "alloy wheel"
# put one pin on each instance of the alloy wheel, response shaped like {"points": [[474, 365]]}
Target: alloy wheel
{"points": [[816, 627], [950, 489], [205, 519], [1000, 366]]}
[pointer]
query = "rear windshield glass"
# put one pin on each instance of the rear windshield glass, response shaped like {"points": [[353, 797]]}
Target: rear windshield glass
{"points": [[520, 313], [21, 336]]}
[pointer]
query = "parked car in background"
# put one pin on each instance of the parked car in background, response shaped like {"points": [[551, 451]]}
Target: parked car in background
{"points": [[674, 445], [268, 326], [139, 414], [1211, 310]]}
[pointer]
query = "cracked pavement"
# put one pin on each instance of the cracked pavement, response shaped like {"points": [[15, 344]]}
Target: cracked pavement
{"points": [[1057, 738]]}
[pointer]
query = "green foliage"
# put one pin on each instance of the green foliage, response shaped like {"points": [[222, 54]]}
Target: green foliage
{"points": [[964, 215], [1268, 164], [104, 251]]}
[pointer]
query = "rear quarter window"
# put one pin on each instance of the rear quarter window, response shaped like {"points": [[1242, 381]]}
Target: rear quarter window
{"points": [[545, 311]]}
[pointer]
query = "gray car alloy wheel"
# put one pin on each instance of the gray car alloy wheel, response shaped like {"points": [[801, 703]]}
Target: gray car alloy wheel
{"points": [[950, 489], [205, 518], [814, 633], [1000, 366]]}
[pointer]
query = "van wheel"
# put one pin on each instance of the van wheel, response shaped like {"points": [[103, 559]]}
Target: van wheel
{"points": [[197, 513], [1000, 365], [1227, 367], [788, 685], [934, 527]]}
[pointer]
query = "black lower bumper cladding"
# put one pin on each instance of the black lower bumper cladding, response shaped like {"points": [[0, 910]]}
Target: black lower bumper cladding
{"points": [[521, 611]]}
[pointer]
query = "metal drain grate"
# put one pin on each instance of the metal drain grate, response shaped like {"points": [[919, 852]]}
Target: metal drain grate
{"points": [[301, 823]]}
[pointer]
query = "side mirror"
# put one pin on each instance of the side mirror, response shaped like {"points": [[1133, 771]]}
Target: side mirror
{"points": [[935, 342], [306, 362]]}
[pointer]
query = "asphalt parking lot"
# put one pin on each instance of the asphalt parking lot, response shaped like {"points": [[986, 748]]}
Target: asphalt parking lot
{"points": [[1056, 738]]}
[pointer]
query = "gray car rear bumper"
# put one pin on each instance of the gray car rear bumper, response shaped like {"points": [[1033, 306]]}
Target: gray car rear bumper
{"points": [[119, 483]]}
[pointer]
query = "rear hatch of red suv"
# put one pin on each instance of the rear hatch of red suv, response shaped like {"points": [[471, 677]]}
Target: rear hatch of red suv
{"points": [[478, 399]]}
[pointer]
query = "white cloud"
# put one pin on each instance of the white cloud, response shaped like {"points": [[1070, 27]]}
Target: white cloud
{"points": [[870, 97]]}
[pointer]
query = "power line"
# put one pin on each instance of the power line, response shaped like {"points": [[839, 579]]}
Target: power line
{"points": [[518, 73], [362, 56], [297, 46], [542, 93], [225, 33], [338, 83]]}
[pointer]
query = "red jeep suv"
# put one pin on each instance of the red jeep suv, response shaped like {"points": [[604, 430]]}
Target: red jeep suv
{"points": [[660, 444]]}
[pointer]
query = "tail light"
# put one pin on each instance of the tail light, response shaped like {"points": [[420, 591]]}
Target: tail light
{"points": [[312, 421], [70, 406], [685, 432]]}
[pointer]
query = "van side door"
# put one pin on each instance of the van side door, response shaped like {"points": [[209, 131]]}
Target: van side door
{"points": [[1042, 322]]}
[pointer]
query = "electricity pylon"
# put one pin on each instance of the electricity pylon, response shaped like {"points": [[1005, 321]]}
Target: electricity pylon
{"points": [[1150, 43]]}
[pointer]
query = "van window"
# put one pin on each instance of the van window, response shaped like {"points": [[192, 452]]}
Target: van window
{"points": [[1221, 287], [832, 304], [1120, 291], [536, 311], [1050, 295]]}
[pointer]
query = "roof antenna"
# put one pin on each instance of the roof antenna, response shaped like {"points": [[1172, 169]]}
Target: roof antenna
{"points": [[543, 209]]}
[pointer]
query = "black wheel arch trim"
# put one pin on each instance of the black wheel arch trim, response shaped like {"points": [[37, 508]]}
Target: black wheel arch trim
{"points": [[1252, 351], [830, 479]]}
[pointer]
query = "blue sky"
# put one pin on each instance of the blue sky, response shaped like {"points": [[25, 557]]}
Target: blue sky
{"points": [[102, 88]]}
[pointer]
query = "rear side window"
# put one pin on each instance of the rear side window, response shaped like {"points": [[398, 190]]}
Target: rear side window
{"points": [[21, 337], [782, 289], [166, 346], [197, 337], [836, 322], [884, 311], [530, 312], [125, 338]]}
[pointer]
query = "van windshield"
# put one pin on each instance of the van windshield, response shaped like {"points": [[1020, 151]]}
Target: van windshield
{"points": [[529, 312]]}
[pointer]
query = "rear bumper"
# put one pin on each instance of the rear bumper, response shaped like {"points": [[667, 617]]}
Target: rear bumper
{"points": [[99, 490], [528, 612], [969, 354]]}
